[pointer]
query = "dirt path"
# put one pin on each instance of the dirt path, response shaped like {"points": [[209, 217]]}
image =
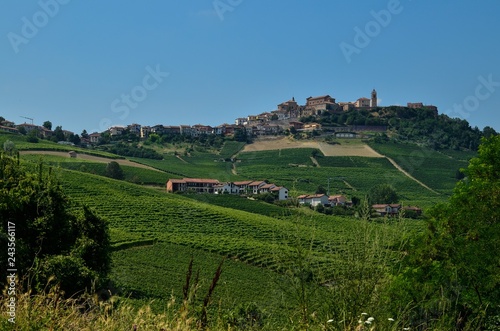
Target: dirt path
{"points": [[91, 158], [397, 166]]}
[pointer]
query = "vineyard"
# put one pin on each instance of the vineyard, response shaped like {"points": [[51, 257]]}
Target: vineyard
{"points": [[155, 233], [435, 169], [132, 174], [352, 176], [195, 164]]}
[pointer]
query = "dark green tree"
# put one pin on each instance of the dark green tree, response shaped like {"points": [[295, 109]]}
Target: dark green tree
{"points": [[47, 125], [58, 134], [113, 170], [382, 193], [84, 134], [452, 269], [22, 130], [51, 237]]}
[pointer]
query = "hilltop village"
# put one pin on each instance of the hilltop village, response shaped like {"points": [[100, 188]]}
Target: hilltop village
{"points": [[287, 116]]}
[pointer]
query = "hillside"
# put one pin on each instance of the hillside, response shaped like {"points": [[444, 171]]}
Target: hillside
{"points": [[272, 254], [421, 126]]}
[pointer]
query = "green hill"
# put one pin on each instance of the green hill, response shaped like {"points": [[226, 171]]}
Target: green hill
{"points": [[277, 259]]}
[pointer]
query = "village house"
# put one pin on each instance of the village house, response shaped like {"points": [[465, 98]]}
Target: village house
{"points": [[255, 186], [362, 103], [145, 131], [386, 209], [29, 127], [186, 130], [281, 192], [313, 199], [45, 133], [8, 124], [116, 131], [317, 105], [225, 188], [9, 129], [337, 200], [135, 129], [289, 109], [296, 125], [95, 137], [198, 185]]}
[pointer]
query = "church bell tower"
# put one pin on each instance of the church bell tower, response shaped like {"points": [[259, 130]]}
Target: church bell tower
{"points": [[374, 99]]}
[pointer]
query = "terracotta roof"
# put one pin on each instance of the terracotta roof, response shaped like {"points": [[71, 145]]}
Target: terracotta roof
{"points": [[245, 182], [320, 97], [311, 196], [201, 180], [385, 205], [269, 186], [257, 183], [177, 181]]}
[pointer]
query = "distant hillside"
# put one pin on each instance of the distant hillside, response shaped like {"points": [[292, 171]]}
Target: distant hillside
{"points": [[422, 126]]}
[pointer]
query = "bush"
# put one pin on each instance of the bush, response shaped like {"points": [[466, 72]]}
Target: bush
{"points": [[52, 238]]}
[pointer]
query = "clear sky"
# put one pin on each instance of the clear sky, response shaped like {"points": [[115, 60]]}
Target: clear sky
{"points": [[90, 64]]}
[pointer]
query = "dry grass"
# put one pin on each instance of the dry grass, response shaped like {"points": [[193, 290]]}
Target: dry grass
{"points": [[346, 149]]}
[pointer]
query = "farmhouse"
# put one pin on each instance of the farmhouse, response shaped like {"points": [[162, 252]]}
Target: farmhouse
{"points": [[387, 209], [199, 185], [313, 199], [337, 200], [9, 129]]}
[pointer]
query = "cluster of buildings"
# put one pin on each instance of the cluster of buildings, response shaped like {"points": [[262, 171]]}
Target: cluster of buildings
{"points": [[213, 186], [42, 132], [268, 123]]}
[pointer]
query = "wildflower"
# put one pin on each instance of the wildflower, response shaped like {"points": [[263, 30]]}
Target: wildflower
{"points": [[370, 319], [368, 322], [329, 321], [406, 329], [364, 314], [390, 319], [360, 322]]}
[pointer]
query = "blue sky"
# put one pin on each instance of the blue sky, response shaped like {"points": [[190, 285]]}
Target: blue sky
{"points": [[210, 61]]}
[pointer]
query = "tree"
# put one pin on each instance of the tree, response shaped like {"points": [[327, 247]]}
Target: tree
{"points": [[382, 193], [9, 147], [113, 170], [84, 134], [22, 130], [74, 138], [58, 134], [47, 125], [51, 237], [453, 267], [321, 190], [489, 131]]}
